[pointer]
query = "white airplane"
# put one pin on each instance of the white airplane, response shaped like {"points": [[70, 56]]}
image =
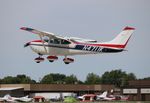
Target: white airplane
{"points": [[87, 97], [8, 98], [104, 97], [101, 96], [56, 45], [23, 99]]}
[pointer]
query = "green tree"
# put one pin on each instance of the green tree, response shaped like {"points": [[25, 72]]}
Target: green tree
{"points": [[58, 78], [146, 78], [117, 77], [47, 79], [9, 80], [24, 79], [53, 78], [72, 79], [92, 79], [17, 80]]}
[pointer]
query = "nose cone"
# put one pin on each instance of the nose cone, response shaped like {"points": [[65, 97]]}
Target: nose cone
{"points": [[33, 42], [27, 44]]}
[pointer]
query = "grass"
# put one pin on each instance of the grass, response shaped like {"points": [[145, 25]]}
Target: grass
{"points": [[105, 102]]}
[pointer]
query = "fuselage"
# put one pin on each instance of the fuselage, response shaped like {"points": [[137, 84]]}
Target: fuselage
{"points": [[73, 48]]}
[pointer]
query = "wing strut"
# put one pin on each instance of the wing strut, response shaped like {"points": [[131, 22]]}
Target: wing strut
{"points": [[43, 43]]}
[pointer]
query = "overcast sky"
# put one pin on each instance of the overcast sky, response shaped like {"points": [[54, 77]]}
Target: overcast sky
{"points": [[94, 19]]}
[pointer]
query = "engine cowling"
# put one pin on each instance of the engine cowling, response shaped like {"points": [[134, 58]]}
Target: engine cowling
{"points": [[39, 59], [52, 58], [68, 60]]}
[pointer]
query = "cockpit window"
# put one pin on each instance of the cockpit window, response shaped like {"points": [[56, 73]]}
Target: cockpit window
{"points": [[51, 41], [58, 41], [46, 39]]}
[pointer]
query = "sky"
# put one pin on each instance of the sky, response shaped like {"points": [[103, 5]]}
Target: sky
{"points": [[101, 20]]}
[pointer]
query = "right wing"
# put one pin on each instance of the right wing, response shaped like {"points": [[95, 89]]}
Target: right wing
{"points": [[41, 33]]}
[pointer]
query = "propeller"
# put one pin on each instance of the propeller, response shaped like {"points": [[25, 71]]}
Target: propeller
{"points": [[26, 45]]}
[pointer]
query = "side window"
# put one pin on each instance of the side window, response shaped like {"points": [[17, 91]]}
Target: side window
{"points": [[59, 41], [64, 42], [56, 41], [51, 41]]}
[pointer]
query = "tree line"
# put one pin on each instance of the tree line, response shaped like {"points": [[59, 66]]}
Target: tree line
{"points": [[115, 77]]}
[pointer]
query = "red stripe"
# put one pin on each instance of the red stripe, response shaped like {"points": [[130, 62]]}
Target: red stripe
{"points": [[37, 41], [112, 45], [109, 45], [23, 28], [129, 28]]}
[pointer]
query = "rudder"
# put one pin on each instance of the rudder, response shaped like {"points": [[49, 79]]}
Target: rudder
{"points": [[123, 38]]}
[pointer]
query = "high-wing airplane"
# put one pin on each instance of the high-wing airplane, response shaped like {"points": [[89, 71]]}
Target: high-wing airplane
{"points": [[8, 98], [104, 97], [55, 45]]}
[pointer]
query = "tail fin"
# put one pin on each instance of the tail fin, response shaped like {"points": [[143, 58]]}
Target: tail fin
{"points": [[7, 96], [104, 94], [122, 39]]}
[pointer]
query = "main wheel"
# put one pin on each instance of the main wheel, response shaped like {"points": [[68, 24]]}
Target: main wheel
{"points": [[66, 62], [51, 60]]}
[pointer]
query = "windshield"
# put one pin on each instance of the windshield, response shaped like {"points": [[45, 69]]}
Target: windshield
{"points": [[57, 41]]}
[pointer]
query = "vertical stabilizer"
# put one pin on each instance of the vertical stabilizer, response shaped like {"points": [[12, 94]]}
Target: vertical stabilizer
{"points": [[103, 95], [122, 39]]}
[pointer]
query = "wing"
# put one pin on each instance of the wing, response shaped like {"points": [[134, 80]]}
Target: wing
{"points": [[82, 40], [41, 33]]}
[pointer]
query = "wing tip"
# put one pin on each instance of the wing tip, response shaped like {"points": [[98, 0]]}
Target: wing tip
{"points": [[129, 28], [26, 28], [23, 28]]}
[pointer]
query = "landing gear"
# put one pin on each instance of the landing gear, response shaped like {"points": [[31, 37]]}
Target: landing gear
{"points": [[52, 58], [68, 60], [39, 59], [51, 61]]}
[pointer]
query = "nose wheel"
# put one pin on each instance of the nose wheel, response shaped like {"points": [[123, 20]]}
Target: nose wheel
{"points": [[39, 59]]}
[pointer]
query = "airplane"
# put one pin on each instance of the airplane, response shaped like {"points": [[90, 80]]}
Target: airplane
{"points": [[23, 99], [55, 45], [104, 97], [87, 97], [8, 98]]}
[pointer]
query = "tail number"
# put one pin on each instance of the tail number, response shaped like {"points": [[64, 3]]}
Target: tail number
{"points": [[92, 48]]}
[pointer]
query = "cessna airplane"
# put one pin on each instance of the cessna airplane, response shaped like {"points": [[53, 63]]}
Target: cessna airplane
{"points": [[8, 98], [55, 45]]}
